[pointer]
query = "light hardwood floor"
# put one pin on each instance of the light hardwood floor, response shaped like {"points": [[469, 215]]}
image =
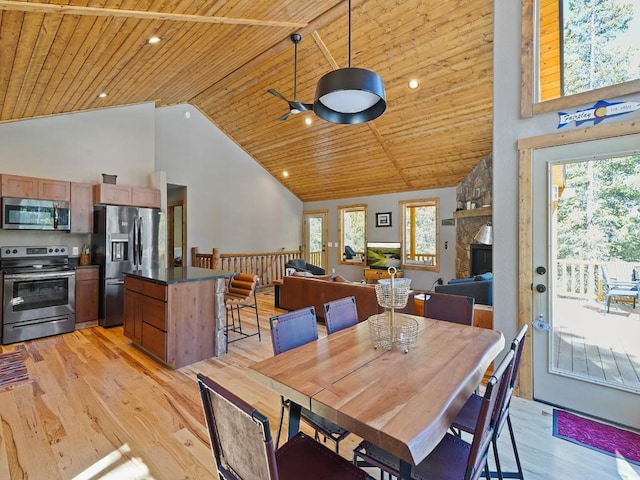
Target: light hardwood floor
{"points": [[98, 408]]}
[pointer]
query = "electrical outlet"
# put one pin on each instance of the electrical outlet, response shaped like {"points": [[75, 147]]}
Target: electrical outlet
{"points": [[75, 251], [440, 281]]}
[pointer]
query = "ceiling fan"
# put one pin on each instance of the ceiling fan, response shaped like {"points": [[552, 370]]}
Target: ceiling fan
{"points": [[295, 106]]}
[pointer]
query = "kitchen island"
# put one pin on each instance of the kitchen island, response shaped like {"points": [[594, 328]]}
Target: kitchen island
{"points": [[176, 314]]}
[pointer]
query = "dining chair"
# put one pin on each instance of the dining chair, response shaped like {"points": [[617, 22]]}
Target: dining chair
{"points": [[243, 448], [340, 314], [294, 329], [451, 308], [465, 421], [453, 458], [241, 293]]}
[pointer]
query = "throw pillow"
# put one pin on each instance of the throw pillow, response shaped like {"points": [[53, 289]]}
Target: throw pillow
{"points": [[484, 277]]}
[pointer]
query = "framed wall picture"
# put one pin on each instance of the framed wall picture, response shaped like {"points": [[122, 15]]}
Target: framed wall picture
{"points": [[383, 219]]}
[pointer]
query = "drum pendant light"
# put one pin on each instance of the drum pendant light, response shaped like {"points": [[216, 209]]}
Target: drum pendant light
{"points": [[350, 95]]}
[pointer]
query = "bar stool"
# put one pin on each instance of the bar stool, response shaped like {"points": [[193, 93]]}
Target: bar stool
{"points": [[240, 294]]}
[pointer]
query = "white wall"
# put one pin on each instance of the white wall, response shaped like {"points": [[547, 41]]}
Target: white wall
{"points": [[390, 203], [232, 202], [508, 127], [78, 147]]}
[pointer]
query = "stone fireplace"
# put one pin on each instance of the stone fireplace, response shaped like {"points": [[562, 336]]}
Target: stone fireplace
{"points": [[476, 188]]}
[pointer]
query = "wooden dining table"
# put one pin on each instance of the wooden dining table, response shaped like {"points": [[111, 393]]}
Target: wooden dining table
{"points": [[401, 402]]}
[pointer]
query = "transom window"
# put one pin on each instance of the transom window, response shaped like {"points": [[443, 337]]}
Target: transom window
{"points": [[420, 234], [352, 231], [577, 52], [586, 45]]}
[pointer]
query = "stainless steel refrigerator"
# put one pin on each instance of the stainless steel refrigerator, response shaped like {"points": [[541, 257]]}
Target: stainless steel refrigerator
{"points": [[125, 239]]}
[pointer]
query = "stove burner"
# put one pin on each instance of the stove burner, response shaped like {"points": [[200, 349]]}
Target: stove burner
{"points": [[42, 258]]}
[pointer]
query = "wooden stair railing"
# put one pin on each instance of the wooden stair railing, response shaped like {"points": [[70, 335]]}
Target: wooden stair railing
{"points": [[269, 266], [202, 260]]}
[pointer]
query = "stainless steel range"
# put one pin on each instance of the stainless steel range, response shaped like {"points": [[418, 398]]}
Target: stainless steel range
{"points": [[38, 292]]}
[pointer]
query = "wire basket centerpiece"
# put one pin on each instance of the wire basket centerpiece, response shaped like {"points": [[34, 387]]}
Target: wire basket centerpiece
{"points": [[389, 330]]}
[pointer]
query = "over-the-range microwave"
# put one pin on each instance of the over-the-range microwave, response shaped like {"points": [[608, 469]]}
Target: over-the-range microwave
{"points": [[33, 214]]}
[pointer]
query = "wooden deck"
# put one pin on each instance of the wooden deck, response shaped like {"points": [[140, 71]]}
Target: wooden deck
{"points": [[599, 346]]}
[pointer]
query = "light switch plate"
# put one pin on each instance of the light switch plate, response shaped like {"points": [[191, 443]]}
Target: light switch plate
{"points": [[75, 251]]}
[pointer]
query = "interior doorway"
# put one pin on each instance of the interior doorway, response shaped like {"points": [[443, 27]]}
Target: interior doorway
{"points": [[176, 226]]}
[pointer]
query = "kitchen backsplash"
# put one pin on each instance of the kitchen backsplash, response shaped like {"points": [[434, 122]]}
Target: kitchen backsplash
{"points": [[35, 238]]}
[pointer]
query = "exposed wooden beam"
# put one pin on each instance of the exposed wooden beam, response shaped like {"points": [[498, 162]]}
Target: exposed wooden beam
{"points": [[34, 7]]}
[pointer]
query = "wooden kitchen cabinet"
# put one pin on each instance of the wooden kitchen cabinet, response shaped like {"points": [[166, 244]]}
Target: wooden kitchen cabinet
{"points": [[372, 275], [31, 187], [110, 194], [81, 208], [19, 187], [87, 293], [145, 315], [174, 314], [145, 197], [54, 190]]}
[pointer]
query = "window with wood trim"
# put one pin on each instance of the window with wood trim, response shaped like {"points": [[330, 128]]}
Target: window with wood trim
{"points": [[577, 52], [352, 231], [420, 234]]}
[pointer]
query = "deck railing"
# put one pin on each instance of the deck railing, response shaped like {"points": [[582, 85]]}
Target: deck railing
{"points": [[581, 279], [316, 258], [269, 266]]}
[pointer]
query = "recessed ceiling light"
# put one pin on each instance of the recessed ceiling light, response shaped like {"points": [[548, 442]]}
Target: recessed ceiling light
{"points": [[413, 84], [285, 174], [154, 40], [102, 95], [308, 121]]}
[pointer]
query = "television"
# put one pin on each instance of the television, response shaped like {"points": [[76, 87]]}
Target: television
{"points": [[383, 254]]}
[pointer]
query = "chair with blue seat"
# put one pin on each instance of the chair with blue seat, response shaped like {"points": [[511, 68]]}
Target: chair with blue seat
{"points": [[619, 279], [288, 331], [340, 314], [453, 458]]}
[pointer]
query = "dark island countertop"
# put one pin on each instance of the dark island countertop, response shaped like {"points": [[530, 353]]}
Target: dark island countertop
{"points": [[166, 276]]}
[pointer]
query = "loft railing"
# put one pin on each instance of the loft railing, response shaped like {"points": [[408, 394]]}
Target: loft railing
{"points": [[269, 266]]}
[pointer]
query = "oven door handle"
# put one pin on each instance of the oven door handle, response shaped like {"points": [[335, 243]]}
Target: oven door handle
{"points": [[38, 276]]}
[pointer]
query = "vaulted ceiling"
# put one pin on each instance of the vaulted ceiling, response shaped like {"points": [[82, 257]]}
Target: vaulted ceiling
{"points": [[222, 56]]}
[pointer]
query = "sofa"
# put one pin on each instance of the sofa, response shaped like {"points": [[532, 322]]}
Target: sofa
{"points": [[297, 292], [479, 287], [300, 265]]}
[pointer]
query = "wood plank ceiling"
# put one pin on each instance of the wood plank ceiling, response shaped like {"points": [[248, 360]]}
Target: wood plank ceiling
{"points": [[222, 56]]}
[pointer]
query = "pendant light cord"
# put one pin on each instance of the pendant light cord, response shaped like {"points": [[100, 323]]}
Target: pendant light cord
{"points": [[349, 33], [295, 71]]}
